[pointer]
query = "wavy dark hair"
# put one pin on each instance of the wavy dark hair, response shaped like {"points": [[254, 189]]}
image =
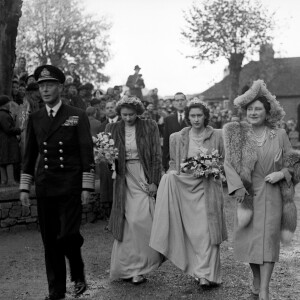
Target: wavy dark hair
{"points": [[139, 108], [205, 110], [264, 101]]}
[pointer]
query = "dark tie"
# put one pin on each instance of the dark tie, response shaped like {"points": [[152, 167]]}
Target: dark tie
{"points": [[51, 116], [180, 119]]}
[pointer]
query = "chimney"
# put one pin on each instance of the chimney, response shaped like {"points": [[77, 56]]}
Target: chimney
{"points": [[266, 53]]}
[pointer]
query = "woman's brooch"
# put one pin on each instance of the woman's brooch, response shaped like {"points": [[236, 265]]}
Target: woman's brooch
{"points": [[272, 134]]}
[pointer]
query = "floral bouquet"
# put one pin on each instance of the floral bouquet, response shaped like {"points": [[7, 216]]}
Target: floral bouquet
{"points": [[104, 150], [204, 165]]}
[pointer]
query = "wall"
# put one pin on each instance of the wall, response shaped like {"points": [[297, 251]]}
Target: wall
{"points": [[13, 214]]}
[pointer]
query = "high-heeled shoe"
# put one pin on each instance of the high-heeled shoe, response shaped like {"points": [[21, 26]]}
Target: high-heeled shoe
{"points": [[254, 290], [138, 279], [203, 282]]}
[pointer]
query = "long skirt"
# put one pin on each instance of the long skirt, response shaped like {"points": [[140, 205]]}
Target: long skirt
{"points": [[133, 256], [180, 227]]}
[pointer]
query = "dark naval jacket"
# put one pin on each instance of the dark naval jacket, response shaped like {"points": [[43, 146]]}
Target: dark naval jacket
{"points": [[65, 149]]}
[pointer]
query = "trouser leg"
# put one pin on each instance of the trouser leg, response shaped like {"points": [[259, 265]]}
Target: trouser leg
{"points": [[49, 221]]}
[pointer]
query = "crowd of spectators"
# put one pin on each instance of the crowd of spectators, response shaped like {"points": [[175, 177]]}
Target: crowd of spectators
{"points": [[25, 99]]}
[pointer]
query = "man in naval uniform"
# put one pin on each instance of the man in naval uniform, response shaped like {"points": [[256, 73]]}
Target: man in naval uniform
{"points": [[60, 135]]}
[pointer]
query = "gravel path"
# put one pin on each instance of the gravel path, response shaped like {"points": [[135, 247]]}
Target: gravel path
{"points": [[22, 271]]}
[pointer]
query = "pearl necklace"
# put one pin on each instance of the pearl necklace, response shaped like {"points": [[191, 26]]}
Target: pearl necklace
{"points": [[260, 139]]}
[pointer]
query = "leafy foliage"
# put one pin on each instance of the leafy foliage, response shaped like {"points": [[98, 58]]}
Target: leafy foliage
{"points": [[59, 31], [219, 28]]}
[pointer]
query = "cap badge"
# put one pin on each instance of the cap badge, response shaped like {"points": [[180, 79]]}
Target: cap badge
{"points": [[45, 73]]}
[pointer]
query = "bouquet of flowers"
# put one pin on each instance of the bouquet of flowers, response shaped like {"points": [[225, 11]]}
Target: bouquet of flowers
{"points": [[204, 165], [104, 150]]}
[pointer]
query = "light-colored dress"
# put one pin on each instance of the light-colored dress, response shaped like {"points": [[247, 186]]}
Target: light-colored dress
{"points": [[260, 241], [180, 226], [133, 256]]}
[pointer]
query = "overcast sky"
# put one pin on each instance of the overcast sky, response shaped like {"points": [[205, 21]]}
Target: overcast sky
{"points": [[147, 33]]}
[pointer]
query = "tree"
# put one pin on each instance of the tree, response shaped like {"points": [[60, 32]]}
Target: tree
{"points": [[230, 29], [10, 13], [58, 31]]}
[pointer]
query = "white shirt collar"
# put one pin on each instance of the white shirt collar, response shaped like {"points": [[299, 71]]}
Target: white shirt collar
{"points": [[180, 114], [54, 108], [113, 120]]}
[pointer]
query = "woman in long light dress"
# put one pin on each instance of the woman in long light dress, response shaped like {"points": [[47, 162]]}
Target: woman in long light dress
{"points": [[254, 170], [138, 175], [189, 223]]}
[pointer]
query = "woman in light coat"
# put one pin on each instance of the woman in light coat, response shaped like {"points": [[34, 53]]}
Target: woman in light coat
{"points": [[189, 223], [255, 172]]}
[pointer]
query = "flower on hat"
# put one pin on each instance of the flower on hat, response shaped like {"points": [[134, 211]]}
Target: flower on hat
{"points": [[129, 100], [257, 90]]}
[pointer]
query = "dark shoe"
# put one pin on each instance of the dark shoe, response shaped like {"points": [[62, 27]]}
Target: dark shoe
{"points": [[204, 282], [80, 288], [138, 279], [55, 296]]}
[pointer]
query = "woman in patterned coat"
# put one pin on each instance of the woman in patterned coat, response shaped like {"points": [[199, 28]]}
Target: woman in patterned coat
{"points": [[138, 173]]}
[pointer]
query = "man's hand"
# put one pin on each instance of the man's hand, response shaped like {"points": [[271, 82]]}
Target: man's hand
{"points": [[152, 189], [24, 197], [85, 197], [240, 195], [274, 177]]}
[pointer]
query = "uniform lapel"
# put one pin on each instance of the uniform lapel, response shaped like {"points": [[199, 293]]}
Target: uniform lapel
{"points": [[59, 119]]}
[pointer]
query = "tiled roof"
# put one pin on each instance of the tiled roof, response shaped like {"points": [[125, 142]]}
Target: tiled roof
{"points": [[282, 77]]}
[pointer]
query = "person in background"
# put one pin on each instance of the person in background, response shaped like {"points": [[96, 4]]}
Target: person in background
{"points": [[72, 94], [152, 114], [30, 79], [98, 94], [30, 104], [136, 83], [293, 134], [20, 71], [117, 92], [15, 91], [99, 104], [105, 172], [173, 123], [138, 174], [58, 138], [73, 73], [94, 123], [9, 146]]}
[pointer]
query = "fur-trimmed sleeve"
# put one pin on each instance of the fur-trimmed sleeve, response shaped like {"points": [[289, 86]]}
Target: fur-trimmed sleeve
{"points": [[287, 169]]}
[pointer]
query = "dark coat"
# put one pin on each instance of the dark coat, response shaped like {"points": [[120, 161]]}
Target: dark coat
{"points": [[94, 126], [171, 125], [9, 146], [104, 123], [65, 148], [135, 91], [149, 150]]}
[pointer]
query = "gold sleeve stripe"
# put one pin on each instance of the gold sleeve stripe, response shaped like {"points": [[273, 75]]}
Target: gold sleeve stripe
{"points": [[88, 180], [25, 181]]}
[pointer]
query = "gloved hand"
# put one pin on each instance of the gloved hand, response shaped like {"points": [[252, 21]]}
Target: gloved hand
{"points": [[152, 189], [274, 177], [240, 194]]}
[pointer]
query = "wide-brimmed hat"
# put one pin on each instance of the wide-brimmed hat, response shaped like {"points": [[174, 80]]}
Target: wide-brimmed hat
{"points": [[259, 89], [137, 67], [49, 73]]}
